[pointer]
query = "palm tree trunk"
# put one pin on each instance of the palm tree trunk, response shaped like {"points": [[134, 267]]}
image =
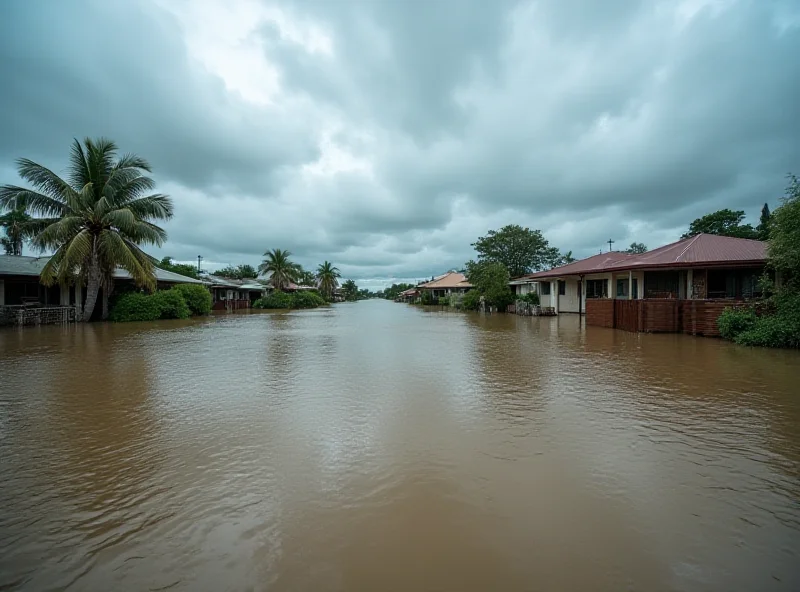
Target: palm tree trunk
{"points": [[92, 288]]}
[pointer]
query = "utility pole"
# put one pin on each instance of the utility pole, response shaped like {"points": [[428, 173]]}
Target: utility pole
{"points": [[610, 242], [199, 259]]}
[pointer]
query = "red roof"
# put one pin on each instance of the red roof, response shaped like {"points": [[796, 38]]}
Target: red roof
{"points": [[697, 251], [594, 264]]}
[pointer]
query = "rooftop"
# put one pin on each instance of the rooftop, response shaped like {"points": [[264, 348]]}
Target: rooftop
{"points": [[697, 251], [451, 279], [32, 266]]}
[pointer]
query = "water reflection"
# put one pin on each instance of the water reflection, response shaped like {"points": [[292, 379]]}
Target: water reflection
{"points": [[380, 446]]}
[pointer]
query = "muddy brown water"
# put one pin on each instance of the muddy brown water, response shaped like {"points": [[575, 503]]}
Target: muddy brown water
{"points": [[377, 446]]}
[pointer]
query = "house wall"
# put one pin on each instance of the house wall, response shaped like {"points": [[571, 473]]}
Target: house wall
{"points": [[568, 302]]}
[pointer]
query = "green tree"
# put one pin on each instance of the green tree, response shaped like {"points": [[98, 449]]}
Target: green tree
{"points": [[169, 264], [394, 291], [18, 228], [520, 250], [490, 279], [784, 244], [763, 225], [95, 221], [636, 248], [350, 290], [327, 279], [240, 272], [306, 278], [724, 223], [280, 268]]}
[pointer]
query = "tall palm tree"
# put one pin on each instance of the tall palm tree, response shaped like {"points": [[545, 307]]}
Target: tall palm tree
{"points": [[18, 229], [96, 220], [282, 271], [327, 278]]}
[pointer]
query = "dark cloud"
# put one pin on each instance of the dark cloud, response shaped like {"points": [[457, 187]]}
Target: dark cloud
{"points": [[387, 136]]}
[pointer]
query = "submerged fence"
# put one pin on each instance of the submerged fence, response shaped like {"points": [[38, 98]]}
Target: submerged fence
{"points": [[47, 315]]}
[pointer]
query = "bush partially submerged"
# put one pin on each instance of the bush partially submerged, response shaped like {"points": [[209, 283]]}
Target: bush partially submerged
{"points": [[780, 327], [134, 306], [171, 304], [282, 300], [197, 298]]}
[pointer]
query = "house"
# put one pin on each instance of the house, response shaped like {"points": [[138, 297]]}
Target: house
{"points": [[409, 295], [20, 286], [231, 294], [682, 286], [452, 282]]}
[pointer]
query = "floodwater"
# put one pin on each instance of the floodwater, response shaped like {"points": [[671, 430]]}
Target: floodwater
{"points": [[381, 447]]}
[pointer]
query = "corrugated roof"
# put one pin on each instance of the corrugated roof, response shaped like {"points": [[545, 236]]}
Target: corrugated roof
{"points": [[32, 266], [599, 263], [696, 251], [451, 279]]}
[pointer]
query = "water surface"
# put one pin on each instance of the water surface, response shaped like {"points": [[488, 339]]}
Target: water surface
{"points": [[377, 446]]}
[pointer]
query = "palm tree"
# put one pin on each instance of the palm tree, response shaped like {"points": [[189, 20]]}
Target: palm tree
{"points": [[281, 270], [18, 229], [327, 278], [95, 221]]}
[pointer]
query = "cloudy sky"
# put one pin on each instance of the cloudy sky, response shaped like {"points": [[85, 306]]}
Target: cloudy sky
{"points": [[386, 135]]}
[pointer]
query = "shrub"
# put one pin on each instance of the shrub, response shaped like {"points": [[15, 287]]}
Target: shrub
{"points": [[276, 299], [427, 297], [197, 298], [734, 321], [444, 301], [134, 306], [308, 299], [171, 304], [471, 300], [531, 298]]}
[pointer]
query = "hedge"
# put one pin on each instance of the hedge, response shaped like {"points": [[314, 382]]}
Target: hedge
{"points": [[283, 300], [197, 297]]}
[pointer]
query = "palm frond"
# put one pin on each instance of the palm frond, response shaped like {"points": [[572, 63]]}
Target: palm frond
{"points": [[127, 255], [42, 178], [152, 207], [51, 233], [13, 197], [79, 174]]}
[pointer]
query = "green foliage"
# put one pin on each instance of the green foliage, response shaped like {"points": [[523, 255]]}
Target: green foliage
{"points": [[490, 280], [395, 289], [531, 298], [636, 248], [520, 250], [779, 326], [427, 298], [724, 223], [784, 244], [171, 304], [240, 272], [350, 290], [134, 306], [197, 298], [308, 299], [283, 301], [764, 223], [734, 321], [327, 279], [444, 301], [168, 264], [280, 268], [471, 300], [18, 229]]}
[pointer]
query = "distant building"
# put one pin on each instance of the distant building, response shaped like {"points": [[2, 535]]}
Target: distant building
{"points": [[452, 282]]}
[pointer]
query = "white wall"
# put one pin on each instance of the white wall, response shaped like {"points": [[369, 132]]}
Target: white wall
{"points": [[568, 302]]}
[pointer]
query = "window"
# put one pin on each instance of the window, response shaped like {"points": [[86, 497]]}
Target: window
{"points": [[597, 288], [562, 287], [545, 288], [622, 288], [635, 288], [661, 284]]}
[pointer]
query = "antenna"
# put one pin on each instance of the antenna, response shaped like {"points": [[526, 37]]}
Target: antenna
{"points": [[199, 259]]}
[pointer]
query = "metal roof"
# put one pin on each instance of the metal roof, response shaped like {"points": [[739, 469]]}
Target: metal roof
{"points": [[451, 279], [702, 250], [32, 266]]}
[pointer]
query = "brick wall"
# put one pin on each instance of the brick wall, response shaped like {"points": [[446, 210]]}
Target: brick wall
{"points": [[699, 317], [659, 316]]}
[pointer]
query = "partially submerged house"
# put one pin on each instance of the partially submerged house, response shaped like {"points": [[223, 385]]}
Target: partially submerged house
{"points": [[232, 294], [21, 290], [683, 286], [452, 282], [409, 295]]}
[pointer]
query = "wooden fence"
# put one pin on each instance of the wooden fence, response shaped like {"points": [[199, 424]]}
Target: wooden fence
{"points": [[656, 315]]}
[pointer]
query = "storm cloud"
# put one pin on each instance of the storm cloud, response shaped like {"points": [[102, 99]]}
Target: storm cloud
{"points": [[387, 136]]}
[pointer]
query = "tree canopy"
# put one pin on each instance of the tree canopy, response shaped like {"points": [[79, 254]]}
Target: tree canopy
{"points": [[520, 250], [350, 290], [636, 248], [240, 272], [724, 223], [490, 280], [394, 290], [280, 268], [764, 223], [186, 269], [784, 244], [327, 278], [95, 220], [17, 225]]}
